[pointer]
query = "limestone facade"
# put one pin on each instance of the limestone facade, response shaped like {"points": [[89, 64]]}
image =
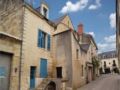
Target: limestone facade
{"points": [[10, 39], [19, 30]]}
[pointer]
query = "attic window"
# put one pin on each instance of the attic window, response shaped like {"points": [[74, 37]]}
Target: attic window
{"points": [[45, 11]]}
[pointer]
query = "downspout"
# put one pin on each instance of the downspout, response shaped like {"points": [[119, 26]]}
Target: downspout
{"points": [[21, 48]]}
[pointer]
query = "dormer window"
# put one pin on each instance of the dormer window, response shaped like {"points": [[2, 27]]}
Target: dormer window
{"points": [[44, 9], [45, 12]]}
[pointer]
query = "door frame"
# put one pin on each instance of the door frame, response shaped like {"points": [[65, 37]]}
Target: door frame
{"points": [[11, 60], [34, 75]]}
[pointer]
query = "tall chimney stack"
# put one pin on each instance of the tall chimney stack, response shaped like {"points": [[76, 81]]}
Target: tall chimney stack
{"points": [[80, 29]]}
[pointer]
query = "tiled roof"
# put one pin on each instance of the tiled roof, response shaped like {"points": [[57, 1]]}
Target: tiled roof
{"points": [[109, 54], [85, 47], [90, 37]]}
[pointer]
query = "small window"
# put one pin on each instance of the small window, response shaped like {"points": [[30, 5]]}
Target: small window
{"points": [[77, 53], [45, 11], [114, 63], [104, 64], [59, 72], [82, 70]]}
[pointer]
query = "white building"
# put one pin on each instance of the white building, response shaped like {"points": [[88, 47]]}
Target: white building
{"points": [[108, 62]]}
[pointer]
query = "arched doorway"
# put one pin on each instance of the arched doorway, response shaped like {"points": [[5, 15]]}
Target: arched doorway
{"points": [[51, 86]]}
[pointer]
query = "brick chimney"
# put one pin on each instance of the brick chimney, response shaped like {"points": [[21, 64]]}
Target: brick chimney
{"points": [[80, 29]]}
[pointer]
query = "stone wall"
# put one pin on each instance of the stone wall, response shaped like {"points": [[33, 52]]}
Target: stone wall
{"points": [[31, 53], [10, 36], [63, 55], [8, 45], [11, 19], [76, 62]]}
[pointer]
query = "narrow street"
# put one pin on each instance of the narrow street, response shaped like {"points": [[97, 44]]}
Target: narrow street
{"points": [[105, 82]]}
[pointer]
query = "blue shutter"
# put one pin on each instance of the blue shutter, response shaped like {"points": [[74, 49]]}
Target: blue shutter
{"points": [[40, 38], [43, 68], [48, 43]]}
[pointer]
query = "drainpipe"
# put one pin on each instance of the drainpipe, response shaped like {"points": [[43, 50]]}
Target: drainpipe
{"points": [[21, 48]]}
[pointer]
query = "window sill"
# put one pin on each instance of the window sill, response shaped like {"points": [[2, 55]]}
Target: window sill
{"points": [[43, 49]]}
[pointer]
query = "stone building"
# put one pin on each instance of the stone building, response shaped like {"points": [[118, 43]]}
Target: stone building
{"points": [[25, 46], [118, 28], [10, 43], [37, 53], [108, 62], [89, 48], [67, 53], [37, 61], [73, 53]]}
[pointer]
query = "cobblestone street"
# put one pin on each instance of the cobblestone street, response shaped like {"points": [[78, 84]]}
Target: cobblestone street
{"points": [[105, 82]]}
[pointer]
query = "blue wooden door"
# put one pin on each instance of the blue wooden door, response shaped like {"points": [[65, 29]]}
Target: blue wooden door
{"points": [[32, 77], [43, 68]]}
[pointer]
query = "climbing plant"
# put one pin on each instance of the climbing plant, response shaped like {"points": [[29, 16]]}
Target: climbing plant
{"points": [[95, 62]]}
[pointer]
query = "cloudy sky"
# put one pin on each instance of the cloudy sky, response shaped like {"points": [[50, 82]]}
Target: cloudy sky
{"points": [[97, 16]]}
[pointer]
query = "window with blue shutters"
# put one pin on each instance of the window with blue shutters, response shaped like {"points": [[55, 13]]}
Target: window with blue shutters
{"points": [[48, 43], [41, 39]]}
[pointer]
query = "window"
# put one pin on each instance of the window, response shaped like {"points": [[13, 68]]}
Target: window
{"points": [[59, 72], [104, 64], [114, 63], [82, 70], [77, 53], [45, 12], [48, 43], [41, 39]]}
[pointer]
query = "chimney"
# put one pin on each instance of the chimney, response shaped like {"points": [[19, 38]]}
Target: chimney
{"points": [[80, 29]]}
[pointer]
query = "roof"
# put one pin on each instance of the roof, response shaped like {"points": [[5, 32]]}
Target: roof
{"points": [[90, 37], [62, 32], [58, 20], [36, 12], [85, 47], [109, 54]]}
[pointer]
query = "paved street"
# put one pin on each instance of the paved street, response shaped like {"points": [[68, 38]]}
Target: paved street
{"points": [[105, 82]]}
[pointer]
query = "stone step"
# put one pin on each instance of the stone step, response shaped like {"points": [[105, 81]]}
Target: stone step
{"points": [[43, 84]]}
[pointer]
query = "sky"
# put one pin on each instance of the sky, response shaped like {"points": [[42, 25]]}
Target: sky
{"points": [[97, 16]]}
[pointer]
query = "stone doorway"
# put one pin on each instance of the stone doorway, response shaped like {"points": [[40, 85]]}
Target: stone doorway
{"points": [[51, 86]]}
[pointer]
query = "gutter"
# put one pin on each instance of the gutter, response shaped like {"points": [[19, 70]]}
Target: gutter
{"points": [[21, 48]]}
